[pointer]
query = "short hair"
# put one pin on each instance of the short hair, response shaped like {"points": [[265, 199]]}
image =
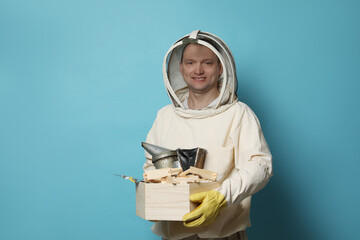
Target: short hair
{"points": [[212, 43]]}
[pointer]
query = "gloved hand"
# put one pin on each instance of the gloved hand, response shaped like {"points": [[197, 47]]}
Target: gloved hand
{"points": [[211, 203]]}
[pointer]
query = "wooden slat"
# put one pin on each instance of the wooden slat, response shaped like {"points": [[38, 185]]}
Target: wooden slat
{"points": [[157, 174], [203, 173]]}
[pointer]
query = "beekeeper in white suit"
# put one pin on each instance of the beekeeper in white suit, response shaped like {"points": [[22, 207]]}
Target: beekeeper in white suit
{"points": [[200, 78]]}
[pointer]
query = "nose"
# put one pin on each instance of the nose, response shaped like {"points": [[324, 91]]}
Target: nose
{"points": [[199, 69]]}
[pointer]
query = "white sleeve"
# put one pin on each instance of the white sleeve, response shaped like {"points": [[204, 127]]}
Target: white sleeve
{"points": [[253, 160], [151, 138]]}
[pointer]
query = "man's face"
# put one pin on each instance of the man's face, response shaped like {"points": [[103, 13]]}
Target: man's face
{"points": [[200, 68]]}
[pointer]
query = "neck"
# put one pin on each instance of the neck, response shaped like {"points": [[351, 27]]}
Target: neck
{"points": [[198, 101]]}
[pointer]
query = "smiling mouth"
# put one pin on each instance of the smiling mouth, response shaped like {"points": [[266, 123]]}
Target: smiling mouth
{"points": [[199, 78]]}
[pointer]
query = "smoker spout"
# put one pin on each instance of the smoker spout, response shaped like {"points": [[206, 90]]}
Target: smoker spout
{"points": [[154, 150]]}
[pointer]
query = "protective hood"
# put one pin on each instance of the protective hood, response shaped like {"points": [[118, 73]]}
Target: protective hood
{"points": [[176, 86]]}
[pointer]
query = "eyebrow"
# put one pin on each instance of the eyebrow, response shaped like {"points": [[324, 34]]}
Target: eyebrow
{"points": [[190, 59]]}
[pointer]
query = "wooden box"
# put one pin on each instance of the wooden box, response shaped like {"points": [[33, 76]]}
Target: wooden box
{"points": [[165, 201]]}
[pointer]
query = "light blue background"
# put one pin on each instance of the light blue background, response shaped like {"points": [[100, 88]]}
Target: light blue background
{"points": [[81, 82]]}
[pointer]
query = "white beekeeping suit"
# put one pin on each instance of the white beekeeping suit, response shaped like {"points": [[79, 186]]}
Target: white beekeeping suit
{"points": [[227, 129]]}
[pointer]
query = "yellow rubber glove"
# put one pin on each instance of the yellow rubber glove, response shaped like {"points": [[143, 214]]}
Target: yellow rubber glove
{"points": [[205, 214]]}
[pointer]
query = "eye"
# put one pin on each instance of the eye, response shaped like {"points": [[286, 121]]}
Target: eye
{"points": [[208, 63], [189, 62]]}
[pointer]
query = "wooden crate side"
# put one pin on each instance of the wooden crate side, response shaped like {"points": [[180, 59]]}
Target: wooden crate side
{"points": [[140, 199], [203, 186], [166, 201]]}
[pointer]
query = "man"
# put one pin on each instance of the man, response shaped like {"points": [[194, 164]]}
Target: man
{"points": [[200, 78]]}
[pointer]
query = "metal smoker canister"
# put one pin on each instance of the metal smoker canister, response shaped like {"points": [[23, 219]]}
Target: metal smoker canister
{"points": [[166, 160]]}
